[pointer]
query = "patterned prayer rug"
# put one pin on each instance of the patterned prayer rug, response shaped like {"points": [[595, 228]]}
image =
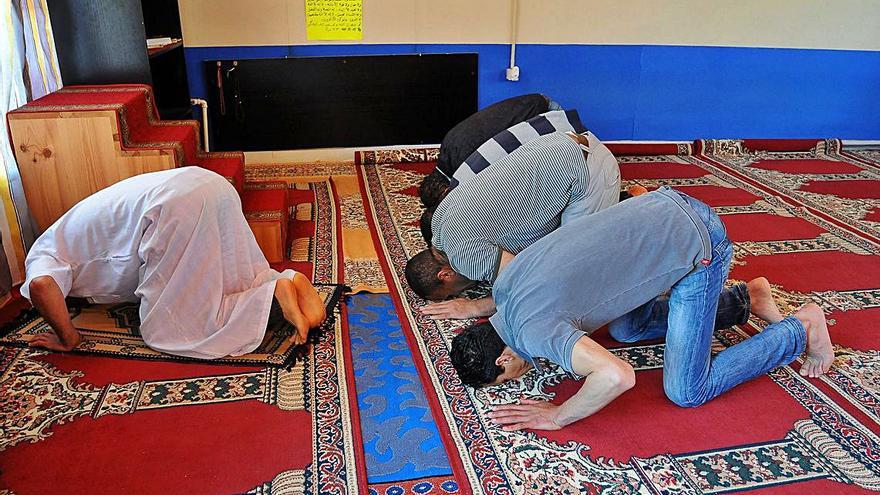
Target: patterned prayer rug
{"points": [[780, 433], [403, 449], [836, 186], [112, 330], [410, 155], [401, 441], [245, 429]]}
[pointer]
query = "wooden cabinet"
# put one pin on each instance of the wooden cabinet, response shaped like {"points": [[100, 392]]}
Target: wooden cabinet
{"points": [[65, 156]]}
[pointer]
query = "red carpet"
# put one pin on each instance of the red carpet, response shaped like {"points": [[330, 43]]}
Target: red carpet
{"points": [[148, 449], [87, 425], [81, 424], [777, 434], [846, 192]]}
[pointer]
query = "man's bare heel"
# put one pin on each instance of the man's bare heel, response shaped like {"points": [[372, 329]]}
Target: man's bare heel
{"points": [[309, 300], [286, 294]]}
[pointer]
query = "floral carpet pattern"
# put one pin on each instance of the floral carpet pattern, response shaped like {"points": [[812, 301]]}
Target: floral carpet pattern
{"points": [[804, 214], [813, 235]]}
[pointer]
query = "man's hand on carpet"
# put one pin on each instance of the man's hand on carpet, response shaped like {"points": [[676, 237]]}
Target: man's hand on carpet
{"points": [[455, 309], [51, 341], [528, 414], [459, 309]]}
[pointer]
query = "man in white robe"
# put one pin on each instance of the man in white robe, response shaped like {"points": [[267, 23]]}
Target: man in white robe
{"points": [[178, 242]]}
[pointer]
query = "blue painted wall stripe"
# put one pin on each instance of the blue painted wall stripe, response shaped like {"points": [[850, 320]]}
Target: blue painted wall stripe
{"points": [[657, 92]]}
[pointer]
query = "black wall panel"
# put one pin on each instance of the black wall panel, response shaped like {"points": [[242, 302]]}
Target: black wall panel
{"points": [[318, 102], [100, 41]]}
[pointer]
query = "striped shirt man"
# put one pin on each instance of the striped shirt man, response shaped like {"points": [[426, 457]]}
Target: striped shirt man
{"points": [[508, 140], [473, 131], [520, 199]]}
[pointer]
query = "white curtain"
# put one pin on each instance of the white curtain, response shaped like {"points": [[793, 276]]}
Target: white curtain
{"points": [[28, 69]]}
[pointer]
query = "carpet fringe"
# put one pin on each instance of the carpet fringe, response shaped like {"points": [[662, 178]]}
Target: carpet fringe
{"points": [[832, 451]]}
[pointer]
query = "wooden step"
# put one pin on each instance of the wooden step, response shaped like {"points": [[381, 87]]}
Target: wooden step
{"points": [[80, 139], [265, 208]]}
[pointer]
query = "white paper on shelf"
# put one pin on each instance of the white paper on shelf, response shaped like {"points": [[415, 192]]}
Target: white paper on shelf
{"points": [[157, 42]]}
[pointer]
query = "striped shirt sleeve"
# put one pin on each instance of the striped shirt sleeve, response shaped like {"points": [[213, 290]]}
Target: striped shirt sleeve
{"points": [[508, 140]]}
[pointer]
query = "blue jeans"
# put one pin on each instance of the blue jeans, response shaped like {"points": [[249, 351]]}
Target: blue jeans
{"points": [[691, 376], [648, 322]]}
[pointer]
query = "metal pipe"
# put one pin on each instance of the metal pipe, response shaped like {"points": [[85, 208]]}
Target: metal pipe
{"points": [[514, 21], [204, 104]]}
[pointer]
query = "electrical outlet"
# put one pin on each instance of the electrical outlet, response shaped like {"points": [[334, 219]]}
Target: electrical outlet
{"points": [[513, 73]]}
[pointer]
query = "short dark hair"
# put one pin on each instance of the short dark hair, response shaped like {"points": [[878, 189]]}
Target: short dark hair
{"points": [[433, 188], [474, 352], [421, 273], [425, 225]]}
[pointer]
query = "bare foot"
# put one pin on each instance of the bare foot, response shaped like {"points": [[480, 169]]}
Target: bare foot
{"points": [[820, 353], [762, 304], [309, 300], [636, 190], [285, 293]]}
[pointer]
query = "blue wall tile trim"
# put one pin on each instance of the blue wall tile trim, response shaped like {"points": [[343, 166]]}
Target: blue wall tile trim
{"points": [[657, 92]]}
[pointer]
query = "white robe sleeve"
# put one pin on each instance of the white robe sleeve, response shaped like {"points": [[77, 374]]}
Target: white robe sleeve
{"points": [[39, 264]]}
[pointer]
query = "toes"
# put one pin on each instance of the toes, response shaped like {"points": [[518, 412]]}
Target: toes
{"points": [[814, 368], [297, 339], [808, 368]]}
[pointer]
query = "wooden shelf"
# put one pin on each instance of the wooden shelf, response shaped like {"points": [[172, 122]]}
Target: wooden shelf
{"points": [[159, 50]]}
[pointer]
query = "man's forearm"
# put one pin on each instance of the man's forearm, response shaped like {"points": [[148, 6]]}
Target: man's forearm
{"points": [[504, 259], [485, 306], [605, 377], [460, 308], [599, 389], [47, 297]]}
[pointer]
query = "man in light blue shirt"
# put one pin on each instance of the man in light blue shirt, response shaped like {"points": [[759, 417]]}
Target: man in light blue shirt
{"points": [[610, 268]]}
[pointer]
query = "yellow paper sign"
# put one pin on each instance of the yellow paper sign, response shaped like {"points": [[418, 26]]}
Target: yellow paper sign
{"points": [[334, 19]]}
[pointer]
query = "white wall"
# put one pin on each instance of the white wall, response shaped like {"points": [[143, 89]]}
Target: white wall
{"points": [[839, 24]]}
